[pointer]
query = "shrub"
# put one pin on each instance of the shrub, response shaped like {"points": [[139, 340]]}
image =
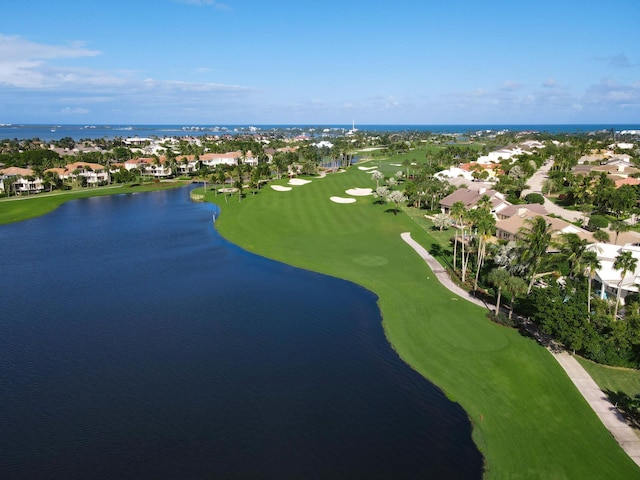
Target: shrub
{"points": [[534, 198], [598, 221]]}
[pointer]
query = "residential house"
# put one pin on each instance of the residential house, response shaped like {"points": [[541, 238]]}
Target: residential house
{"points": [[94, 173], [511, 210], [509, 228], [607, 278], [470, 199], [22, 180], [150, 166]]}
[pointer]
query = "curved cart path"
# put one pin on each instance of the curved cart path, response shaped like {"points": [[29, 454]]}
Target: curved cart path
{"points": [[601, 405]]}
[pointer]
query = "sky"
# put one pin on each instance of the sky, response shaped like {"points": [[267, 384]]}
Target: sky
{"points": [[210, 62]]}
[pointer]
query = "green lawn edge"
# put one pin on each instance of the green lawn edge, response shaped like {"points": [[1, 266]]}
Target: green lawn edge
{"points": [[17, 209], [528, 419]]}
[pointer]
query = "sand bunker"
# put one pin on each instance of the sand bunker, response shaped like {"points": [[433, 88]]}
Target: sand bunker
{"points": [[367, 168], [298, 181], [280, 188], [359, 192], [228, 190], [342, 200], [395, 164]]}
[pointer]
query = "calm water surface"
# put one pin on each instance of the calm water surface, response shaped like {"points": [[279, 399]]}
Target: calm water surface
{"points": [[135, 342]]}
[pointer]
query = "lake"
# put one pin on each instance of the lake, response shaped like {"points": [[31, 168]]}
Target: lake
{"points": [[135, 342]]}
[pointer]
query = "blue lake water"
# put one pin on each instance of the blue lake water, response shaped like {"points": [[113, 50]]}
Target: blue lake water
{"points": [[135, 342]]}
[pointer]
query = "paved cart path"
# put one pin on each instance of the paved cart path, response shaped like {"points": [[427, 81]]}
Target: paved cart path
{"points": [[601, 405]]}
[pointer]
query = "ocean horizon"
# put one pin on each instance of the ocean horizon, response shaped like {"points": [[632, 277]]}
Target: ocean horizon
{"points": [[51, 132]]}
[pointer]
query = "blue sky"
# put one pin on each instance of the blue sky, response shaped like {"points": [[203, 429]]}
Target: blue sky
{"points": [[290, 62]]}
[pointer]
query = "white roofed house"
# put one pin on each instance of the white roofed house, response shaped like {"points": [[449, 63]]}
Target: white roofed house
{"points": [[228, 158], [608, 278], [454, 172]]}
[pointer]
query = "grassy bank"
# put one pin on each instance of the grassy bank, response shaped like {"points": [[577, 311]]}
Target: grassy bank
{"points": [[16, 209], [529, 420]]}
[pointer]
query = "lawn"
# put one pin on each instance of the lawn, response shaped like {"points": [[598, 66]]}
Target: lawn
{"points": [[15, 209], [529, 420], [613, 379]]}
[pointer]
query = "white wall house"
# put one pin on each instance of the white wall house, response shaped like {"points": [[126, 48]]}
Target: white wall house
{"points": [[608, 277]]}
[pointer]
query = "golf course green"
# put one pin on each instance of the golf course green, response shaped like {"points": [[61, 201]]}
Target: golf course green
{"points": [[529, 420]]}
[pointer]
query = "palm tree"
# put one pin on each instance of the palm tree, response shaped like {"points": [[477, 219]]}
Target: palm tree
{"points": [[499, 278], [625, 262], [591, 264], [485, 223], [377, 175], [515, 286], [619, 226], [535, 239], [601, 236], [457, 211], [573, 249]]}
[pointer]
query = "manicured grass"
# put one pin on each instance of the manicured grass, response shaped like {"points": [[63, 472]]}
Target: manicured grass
{"points": [[529, 420], [613, 379], [15, 209]]}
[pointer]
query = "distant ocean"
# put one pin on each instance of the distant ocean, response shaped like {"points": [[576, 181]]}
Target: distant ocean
{"points": [[77, 132]]}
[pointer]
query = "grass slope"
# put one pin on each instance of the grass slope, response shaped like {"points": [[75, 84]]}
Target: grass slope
{"points": [[529, 420]]}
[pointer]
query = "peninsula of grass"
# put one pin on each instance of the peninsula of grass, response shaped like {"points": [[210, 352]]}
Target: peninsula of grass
{"points": [[16, 209], [528, 419]]}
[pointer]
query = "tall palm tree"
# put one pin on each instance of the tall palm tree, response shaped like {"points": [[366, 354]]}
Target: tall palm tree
{"points": [[484, 223], [619, 226], [456, 212], [535, 238], [573, 249], [625, 262], [591, 264], [499, 278], [515, 287]]}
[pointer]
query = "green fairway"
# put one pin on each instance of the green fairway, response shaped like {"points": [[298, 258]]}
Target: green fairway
{"points": [[529, 420], [16, 209]]}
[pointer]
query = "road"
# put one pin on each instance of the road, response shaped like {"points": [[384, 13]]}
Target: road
{"points": [[535, 186]]}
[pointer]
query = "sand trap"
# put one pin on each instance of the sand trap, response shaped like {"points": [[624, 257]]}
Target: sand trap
{"points": [[280, 188], [228, 190], [298, 181], [367, 168], [342, 200], [359, 192], [395, 164]]}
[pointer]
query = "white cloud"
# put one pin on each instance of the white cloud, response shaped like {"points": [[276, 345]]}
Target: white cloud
{"points": [[614, 94], [74, 111], [26, 64], [510, 86]]}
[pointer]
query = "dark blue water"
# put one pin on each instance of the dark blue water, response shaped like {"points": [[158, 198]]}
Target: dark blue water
{"points": [[77, 132], [137, 343]]}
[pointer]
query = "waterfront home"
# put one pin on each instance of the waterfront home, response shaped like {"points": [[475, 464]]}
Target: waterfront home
{"points": [[20, 180], [94, 173], [149, 166]]}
